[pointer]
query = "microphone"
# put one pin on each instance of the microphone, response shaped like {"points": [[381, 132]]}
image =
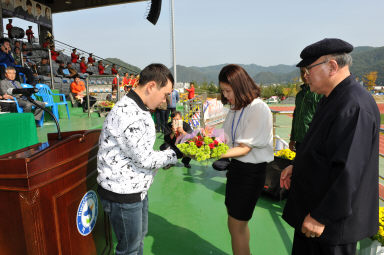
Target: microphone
{"points": [[24, 91]]}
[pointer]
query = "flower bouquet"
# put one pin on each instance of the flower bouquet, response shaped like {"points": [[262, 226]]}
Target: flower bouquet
{"points": [[203, 144], [107, 104]]}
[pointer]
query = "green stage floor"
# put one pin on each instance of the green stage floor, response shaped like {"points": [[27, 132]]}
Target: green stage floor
{"points": [[187, 214]]}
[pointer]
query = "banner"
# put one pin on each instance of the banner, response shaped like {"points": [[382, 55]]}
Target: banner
{"points": [[28, 10]]}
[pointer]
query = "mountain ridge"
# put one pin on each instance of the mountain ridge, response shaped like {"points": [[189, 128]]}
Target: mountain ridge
{"points": [[365, 59]]}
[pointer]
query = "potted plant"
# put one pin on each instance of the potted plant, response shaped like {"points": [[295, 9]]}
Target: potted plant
{"points": [[282, 159], [373, 245]]}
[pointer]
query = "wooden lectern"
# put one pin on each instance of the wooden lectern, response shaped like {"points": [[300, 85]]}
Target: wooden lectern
{"points": [[44, 209]]}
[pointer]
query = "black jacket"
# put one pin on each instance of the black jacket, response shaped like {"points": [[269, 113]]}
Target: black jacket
{"points": [[335, 175]]}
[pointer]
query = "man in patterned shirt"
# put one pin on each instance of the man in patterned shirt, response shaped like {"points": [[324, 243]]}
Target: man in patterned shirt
{"points": [[127, 162]]}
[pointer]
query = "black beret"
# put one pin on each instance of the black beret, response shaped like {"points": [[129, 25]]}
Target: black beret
{"points": [[324, 47]]}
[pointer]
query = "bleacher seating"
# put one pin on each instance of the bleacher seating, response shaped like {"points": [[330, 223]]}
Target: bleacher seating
{"points": [[100, 86]]}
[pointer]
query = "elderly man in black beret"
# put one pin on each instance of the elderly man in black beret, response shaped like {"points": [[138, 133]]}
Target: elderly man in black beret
{"points": [[333, 198]]}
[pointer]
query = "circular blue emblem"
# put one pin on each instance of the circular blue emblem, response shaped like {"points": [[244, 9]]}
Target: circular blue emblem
{"points": [[87, 213]]}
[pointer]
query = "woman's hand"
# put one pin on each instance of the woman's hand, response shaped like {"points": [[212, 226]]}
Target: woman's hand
{"points": [[237, 151]]}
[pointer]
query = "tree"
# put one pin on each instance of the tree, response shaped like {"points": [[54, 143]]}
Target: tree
{"points": [[369, 80]]}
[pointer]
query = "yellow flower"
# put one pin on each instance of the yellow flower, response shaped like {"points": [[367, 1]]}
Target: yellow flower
{"points": [[285, 153]]}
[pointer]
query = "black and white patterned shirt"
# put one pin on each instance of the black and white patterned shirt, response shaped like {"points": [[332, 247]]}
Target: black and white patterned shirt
{"points": [[126, 161]]}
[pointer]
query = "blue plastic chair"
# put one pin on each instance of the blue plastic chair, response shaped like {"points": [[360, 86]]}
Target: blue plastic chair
{"points": [[46, 93]]}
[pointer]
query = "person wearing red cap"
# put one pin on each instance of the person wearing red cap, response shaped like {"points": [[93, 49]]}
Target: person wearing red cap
{"points": [[91, 60], [9, 28], [74, 56], [29, 34]]}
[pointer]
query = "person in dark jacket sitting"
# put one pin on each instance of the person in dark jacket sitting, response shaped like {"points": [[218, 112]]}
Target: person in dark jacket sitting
{"points": [[7, 59]]}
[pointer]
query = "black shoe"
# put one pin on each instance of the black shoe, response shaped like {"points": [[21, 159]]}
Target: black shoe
{"points": [[187, 165]]}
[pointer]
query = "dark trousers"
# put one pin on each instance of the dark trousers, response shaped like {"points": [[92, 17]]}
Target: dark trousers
{"points": [[92, 101], [8, 107], [27, 107], [161, 120], [310, 246], [170, 111]]}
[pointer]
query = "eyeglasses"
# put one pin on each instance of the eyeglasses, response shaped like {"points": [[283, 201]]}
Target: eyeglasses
{"points": [[312, 66]]}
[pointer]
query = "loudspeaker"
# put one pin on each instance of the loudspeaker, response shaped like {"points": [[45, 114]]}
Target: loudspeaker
{"points": [[154, 12]]}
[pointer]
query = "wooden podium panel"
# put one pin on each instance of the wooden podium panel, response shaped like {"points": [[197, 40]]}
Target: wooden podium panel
{"points": [[41, 192]]}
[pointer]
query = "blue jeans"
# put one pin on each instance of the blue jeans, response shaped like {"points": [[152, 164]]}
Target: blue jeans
{"points": [[130, 224]]}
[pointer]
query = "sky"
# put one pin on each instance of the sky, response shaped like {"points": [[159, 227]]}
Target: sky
{"points": [[212, 32]]}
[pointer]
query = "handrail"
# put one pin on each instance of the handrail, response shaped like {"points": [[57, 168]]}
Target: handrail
{"points": [[381, 155], [96, 57], [382, 132], [88, 92], [274, 114]]}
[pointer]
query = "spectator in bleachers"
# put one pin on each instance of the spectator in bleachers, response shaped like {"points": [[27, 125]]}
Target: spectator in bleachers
{"points": [[115, 82], [48, 40], [6, 58], [17, 56], [43, 68], [84, 66], [133, 80], [74, 56], [62, 70], [101, 68], [91, 60], [30, 65], [54, 53], [78, 91], [16, 44], [46, 44], [125, 81], [10, 83], [9, 28], [114, 70], [29, 34], [130, 79], [72, 71], [26, 51]]}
